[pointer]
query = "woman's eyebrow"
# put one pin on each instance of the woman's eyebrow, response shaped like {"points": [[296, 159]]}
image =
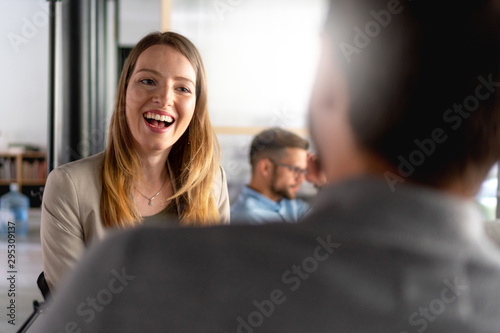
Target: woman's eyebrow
{"points": [[180, 78], [149, 70]]}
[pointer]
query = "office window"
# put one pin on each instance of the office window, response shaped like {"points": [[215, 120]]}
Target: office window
{"points": [[487, 196]]}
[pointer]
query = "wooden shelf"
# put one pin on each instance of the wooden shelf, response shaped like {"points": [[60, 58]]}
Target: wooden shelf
{"points": [[33, 182], [7, 181], [35, 154], [24, 168]]}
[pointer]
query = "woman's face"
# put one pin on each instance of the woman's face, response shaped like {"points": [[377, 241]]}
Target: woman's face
{"points": [[160, 99]]}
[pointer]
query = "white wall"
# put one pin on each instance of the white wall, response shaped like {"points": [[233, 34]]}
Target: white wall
{"points": [[136, 19], [24, 71]]}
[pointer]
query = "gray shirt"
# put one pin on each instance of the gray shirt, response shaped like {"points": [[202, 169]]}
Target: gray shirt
{"points": [[366, 260]]}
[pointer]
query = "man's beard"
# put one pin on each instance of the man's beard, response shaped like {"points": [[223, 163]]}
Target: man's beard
{"points": [[283, 192]]}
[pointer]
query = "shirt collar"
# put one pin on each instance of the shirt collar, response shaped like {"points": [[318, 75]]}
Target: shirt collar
{"points": [[369, 205], [265, 201]]}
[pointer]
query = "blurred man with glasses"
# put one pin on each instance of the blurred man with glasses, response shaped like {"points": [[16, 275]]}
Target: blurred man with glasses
{"points": [[279, 162]]}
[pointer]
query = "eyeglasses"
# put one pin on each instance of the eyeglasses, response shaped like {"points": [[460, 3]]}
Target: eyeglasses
{"points": [[297, 172]]}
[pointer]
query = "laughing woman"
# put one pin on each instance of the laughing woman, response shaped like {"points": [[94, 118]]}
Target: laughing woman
{"points": [[162, 159]]}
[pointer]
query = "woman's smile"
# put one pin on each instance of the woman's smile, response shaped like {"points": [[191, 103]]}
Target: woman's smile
{"points": [[158, 121]]}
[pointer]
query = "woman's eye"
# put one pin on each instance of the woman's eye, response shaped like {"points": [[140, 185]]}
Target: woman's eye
{"points": [[184, 90], [148, 82]]}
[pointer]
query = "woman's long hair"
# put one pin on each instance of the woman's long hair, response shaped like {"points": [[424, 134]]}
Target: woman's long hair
{"points": [[194, 158]]}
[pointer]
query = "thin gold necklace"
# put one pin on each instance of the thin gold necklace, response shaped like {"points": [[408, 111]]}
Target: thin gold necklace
{"points": [[154, 196]]}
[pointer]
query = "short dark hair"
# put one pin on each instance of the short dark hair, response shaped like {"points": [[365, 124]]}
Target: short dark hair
{"points": [[272, 142], [423, 82]]}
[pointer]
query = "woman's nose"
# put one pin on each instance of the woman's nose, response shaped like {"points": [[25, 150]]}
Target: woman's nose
{"points": [[164, 97]]}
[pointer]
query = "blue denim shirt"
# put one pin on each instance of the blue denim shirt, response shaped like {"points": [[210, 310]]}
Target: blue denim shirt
{"points": [[251, 207]]}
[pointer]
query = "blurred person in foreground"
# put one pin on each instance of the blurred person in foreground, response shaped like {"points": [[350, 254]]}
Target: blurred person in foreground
{"points": [[406, 122], [279, 166]]}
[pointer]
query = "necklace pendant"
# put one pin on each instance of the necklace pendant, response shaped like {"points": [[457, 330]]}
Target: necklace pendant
{"points": [[150, 202]]}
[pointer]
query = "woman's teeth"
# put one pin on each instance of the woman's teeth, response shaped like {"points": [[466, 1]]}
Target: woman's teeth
{"points": [[158, 121], [157, 117]]}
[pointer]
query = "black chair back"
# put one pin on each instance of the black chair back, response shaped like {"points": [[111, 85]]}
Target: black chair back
{"points": [[38, 307], [43, 286]]}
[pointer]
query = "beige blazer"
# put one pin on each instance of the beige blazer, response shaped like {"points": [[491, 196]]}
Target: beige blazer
{"points": [[71, 216]]}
